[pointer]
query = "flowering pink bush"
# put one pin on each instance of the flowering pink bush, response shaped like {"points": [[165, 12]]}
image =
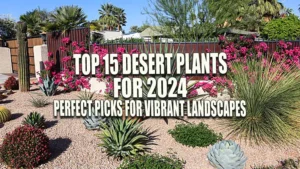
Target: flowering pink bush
{"points": [[66, 77]]}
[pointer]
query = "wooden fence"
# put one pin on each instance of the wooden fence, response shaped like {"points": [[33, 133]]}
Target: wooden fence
{"points": [[183, 47], [54, 42], [13, 45]]}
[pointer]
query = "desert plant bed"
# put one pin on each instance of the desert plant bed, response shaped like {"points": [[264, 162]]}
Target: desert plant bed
{"points": [[73, 146]]}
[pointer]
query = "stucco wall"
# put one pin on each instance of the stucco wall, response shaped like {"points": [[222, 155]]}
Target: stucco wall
{"points": [[5, 60]]}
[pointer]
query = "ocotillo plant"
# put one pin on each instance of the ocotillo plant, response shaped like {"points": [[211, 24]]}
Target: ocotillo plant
{"points": [[23, 60]]}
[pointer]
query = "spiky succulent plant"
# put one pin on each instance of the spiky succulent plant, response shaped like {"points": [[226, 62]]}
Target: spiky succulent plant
{"points": [[123, 138], [226, 154], [86, 95], [35, 119], [5, 114], [93, 122], [48, 86]]}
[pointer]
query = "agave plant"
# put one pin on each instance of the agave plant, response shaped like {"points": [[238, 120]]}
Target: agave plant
{"points": [[35, 119], [93, 122], [123, 138], [226, 154], [49, 87]]}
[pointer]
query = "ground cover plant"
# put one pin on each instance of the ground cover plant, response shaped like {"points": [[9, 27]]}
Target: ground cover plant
{"points": [[195, 135], [152, 161], [25, 147], [124, 138], [226, 154]]}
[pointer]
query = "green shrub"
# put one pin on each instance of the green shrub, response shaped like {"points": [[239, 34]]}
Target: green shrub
{"points": [[39, 101], [194, 135], [123, 138], [152, 161], [34, 119], [272, 98], [283, 28]]}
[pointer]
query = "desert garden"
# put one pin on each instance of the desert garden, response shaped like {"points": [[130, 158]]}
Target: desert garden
{"points": [[263, 74]]}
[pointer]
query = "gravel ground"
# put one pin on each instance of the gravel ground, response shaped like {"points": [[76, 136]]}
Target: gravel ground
{"points": [[74, 147]]}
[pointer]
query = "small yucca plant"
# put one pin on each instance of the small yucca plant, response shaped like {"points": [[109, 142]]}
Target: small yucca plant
{"points": [[39, 101], [123, 138], [35, 119], [86, 95], [272, 103]]}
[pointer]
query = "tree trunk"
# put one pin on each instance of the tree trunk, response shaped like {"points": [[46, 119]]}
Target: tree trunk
{"points": [[23, 59]]}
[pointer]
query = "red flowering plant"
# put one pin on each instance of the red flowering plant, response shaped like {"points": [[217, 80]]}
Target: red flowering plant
{"points": [[67, 77], [25, 147]]}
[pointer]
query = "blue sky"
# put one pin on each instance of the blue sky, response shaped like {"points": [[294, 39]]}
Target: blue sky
{"points": [[133, 8]]}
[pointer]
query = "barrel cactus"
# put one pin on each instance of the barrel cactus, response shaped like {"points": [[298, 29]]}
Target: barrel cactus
{"points": [[226, 154], [5, 114]]}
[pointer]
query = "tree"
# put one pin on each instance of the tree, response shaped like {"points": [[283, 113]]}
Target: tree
{"points": [[120, 17], [283, 28], [139, 29], [112, 17], [177, 18], [66, 18], [7, 28], [267, 9], [34, 20]]}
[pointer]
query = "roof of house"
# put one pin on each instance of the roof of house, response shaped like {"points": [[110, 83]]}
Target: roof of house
{"points": [[151, 31]]}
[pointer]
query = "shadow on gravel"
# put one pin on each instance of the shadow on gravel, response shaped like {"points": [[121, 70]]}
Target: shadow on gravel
{"points": [[15, 116], [1, 125], [58, 146], [6, 101], [50, 124]]}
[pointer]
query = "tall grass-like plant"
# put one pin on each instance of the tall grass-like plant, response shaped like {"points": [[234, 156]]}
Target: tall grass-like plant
{"points": [[272, 102]]}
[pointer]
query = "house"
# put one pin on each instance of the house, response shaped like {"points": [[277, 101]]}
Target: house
{"points": [[153, 33], [132, 36], [109, 35]]}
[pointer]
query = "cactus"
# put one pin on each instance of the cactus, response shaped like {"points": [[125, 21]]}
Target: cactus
{"points": [[48, 86], [35, 119], [226, 154], [23, 60], [93, 122], [5, 114]]}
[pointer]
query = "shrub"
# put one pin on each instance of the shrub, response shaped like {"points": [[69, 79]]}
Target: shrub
{"points": [[284, 164], [5, 114], [152, 161], [25, 147], [226, 154], [272, 96], [194, 135], [39, 101], [11, 84], [283, 28], [123, 138], [35, 119]]}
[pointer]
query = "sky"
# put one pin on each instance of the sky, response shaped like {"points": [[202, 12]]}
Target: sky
{"points": [[133, 8]]}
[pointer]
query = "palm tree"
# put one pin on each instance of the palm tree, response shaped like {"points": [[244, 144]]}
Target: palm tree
{"points": [[106, 16], [66, 18], [34, 20], [267, 9], [120, 17]]}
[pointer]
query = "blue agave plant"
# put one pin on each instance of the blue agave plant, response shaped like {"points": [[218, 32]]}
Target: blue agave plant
{"points": [[48, 86]]}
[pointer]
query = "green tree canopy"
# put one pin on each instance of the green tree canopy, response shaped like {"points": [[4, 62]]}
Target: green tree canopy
{"points": [[139, 29], [283, 28], [7, 28], [112, 17], [35, 20]]}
